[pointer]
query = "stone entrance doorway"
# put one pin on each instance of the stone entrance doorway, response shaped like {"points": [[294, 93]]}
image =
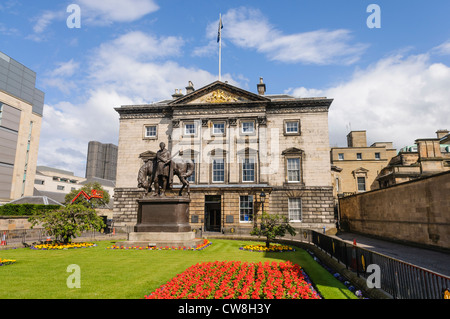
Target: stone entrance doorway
{"points": [[213, 213]]}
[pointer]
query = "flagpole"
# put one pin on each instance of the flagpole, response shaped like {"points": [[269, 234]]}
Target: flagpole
{"points": [[220, 46]]}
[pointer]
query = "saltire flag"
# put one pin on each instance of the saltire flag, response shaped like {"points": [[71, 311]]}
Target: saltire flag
{"points": [[219, 33]]}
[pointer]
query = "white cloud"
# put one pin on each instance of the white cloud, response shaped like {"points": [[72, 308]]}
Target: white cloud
{"points": [[249, 28], [443, 49], [398, 99], [105, 12], [134, 68]]}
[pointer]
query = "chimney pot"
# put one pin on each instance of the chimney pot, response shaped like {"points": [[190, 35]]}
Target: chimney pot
{"points": [[261, 87]]}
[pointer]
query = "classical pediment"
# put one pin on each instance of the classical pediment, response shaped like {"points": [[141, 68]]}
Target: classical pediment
{"points": [[219, 93]]}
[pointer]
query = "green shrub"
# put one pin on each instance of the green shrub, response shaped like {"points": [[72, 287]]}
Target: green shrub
{"points": [[25, 209]]}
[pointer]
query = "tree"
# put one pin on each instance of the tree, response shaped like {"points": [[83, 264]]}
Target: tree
{"points": [[94, 202], [273, 226], [68, 222]]}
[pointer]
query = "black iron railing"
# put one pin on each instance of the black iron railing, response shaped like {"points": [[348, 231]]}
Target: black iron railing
{"points": [[398, 278]]}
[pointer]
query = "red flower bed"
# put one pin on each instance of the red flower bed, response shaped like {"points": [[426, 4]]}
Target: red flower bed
{"points": [[238, 280]]}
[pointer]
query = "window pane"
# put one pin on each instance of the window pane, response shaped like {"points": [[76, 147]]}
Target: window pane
{"points": [[247, 127], [341, 156], [218, 170], [189, 129], [248, 170], [218, 128], [246, 208], [361, 184], [292, 127], [295, 208], [293, 166], [150, 131], [192, 177]]}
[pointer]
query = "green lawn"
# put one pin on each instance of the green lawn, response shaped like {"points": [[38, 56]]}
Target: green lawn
{"points": [[132, 274]]}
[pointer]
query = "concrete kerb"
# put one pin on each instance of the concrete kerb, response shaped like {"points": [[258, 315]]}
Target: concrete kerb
{"points": [[358, 282]]}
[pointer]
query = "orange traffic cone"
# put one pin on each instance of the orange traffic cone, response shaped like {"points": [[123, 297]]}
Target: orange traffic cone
{"points": [[3, 243]]}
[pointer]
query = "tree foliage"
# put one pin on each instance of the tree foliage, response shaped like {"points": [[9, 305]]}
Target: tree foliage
{"points": [[94, 202], [273, 226], [68, 222]]}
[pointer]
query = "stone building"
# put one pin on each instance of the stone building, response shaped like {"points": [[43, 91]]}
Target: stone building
{"points": [[356, 167], [21, 109], [428, 156], [243, 145]]}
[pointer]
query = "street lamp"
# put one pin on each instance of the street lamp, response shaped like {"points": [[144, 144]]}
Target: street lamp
{"points": [[262, 198]]}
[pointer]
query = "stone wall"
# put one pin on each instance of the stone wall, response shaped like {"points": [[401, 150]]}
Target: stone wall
{"points": [[417, 212]]}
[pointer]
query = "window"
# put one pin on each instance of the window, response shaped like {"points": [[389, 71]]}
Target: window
{"points": [[248, 170], [291, 127], [248, 127], [246, 208], [191, 178], [377, 156], [219, 128], [190, 129], [218, 170], [293, 169], [341, 156], [295, 209], [150, 131], [39, 181], [60, 187], [361, 184], [358, 156]]}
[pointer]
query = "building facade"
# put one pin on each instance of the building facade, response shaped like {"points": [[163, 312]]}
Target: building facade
{"points": [[56, 183], [243, 145], [101, 160], [356, 167], [21, 109], [426, 157]]}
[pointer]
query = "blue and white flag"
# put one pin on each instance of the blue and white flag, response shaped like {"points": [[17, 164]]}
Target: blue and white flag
{"points": [[219, 33]]}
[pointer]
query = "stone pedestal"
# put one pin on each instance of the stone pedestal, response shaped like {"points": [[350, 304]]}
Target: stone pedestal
{"points": [[162, 221], [163, 214]]}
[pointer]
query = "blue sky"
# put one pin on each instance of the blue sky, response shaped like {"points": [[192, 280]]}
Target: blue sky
{"points": [[391, 81]]}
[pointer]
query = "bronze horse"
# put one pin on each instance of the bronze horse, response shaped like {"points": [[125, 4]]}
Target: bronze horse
{"points": [[181, 168]]}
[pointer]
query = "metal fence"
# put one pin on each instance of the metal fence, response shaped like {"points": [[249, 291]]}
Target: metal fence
{"points": [[398, 278]]}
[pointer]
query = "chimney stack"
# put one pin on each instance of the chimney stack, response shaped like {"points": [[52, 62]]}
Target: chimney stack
{"points": [[190, 88], [261, 87], [177, 94]]}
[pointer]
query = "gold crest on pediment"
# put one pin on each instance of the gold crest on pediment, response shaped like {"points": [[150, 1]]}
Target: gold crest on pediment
{"points": [[218, 96]]}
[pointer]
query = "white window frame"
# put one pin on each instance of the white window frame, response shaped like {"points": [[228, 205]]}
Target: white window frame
{"points": [[341, 158], [295, 213], [185, 126], [288, 170], [252, 125], [248, 209], [146, 131], [214, 128], [252, 160], [213, 170], [297, 124]]}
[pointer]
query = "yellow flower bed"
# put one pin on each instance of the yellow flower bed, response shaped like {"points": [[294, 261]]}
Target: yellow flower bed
{"points": [[63, 246], [272, 248], [4, 262]]}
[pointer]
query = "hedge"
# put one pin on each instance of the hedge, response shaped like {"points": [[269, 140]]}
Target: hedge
{"points": [[25, 209]]}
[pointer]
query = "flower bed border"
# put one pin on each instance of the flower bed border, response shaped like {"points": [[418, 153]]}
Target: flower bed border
{"points": [[62, 246], [6, 262], [239, 280], [274, 248], [206, 243]]}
